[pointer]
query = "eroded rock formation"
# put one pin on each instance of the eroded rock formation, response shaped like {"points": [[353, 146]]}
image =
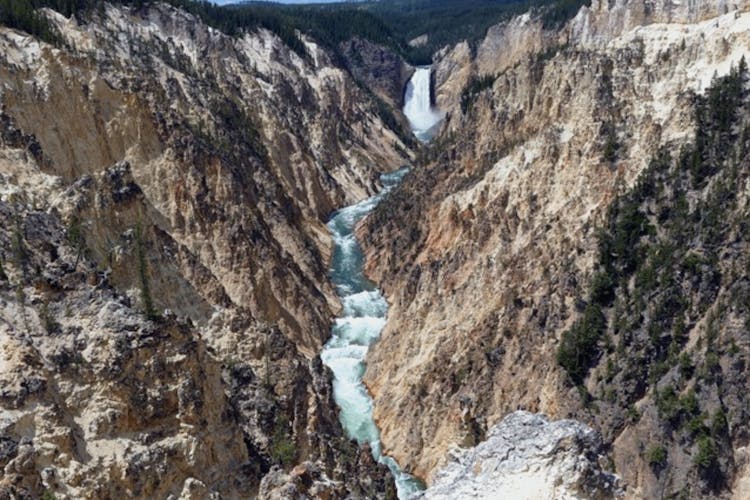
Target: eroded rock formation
{"points": [[527, 457]]}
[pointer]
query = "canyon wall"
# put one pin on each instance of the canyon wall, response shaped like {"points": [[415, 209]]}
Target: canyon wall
{"points": [[164, 189], [486, 252]]}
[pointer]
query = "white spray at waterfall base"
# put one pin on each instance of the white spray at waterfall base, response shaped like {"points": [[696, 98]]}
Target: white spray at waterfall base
{"points": [[423, 117]]}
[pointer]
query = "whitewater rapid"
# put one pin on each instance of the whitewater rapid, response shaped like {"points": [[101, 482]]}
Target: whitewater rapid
{"points": [[360, 324], [365, 308]]}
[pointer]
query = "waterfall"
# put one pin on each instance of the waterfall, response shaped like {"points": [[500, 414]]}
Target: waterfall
{"points": [[418, 109]]}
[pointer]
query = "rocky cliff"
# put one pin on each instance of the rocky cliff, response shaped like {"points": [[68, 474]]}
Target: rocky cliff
{"points": [[150, 163], [487, 252], [383, 71]]}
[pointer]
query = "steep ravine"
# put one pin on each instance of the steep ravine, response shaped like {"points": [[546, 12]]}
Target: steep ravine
{"points": [[486, 250], [365, 309], [359, 325]]}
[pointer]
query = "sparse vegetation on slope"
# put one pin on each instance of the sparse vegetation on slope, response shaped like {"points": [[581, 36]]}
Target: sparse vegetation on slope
{"points": [[673, 286], [472, 90]]}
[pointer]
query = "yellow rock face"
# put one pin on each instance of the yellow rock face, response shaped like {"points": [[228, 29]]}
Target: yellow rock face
{"points": [[500, 231]]}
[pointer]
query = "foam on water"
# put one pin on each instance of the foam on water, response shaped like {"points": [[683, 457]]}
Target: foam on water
{"points": [[362, 320], [363, 304]]}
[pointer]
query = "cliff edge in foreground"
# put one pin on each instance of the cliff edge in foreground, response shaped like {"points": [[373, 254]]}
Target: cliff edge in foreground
{"points": [[528, 457]]}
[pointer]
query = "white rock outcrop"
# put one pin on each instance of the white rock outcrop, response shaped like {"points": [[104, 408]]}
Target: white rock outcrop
{"points": [[526, 456]]}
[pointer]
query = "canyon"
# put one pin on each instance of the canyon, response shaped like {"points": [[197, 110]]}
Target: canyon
{"points": [[265, 264]]}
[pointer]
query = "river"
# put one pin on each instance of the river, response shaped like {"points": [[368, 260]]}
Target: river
{"points": [[364, 313]]}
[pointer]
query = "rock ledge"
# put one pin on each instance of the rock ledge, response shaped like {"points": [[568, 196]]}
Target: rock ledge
{"points": [[526, 456]]}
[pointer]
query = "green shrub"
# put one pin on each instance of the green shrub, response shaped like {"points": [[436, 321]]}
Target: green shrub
{"points": [[611, 146], [689, 404], [711, 366], [707, 456], [657, 371], [686, 366], [719, 424], [602, 289], [692, 263], [633, 415], [474, 87], [283, 450], [579, 346], [696, 426], [619, 251], [733, 350], [656, 456], [668, 404], [76, 238], [147, 301]]}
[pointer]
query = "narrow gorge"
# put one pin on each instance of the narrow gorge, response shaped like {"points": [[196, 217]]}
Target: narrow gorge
{"points": [[362, 319], [382, 249], [364, 308]]}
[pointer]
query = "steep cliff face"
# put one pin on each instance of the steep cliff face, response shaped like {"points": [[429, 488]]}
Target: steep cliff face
{"points": [[451, 75], [607, 18], [82, 370], [98, 401], [177, 168], [381, 69], [486, 251]]}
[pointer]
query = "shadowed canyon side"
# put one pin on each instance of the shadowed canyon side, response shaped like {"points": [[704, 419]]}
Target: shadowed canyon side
{"points": [[493, 254], [163, 258]]}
